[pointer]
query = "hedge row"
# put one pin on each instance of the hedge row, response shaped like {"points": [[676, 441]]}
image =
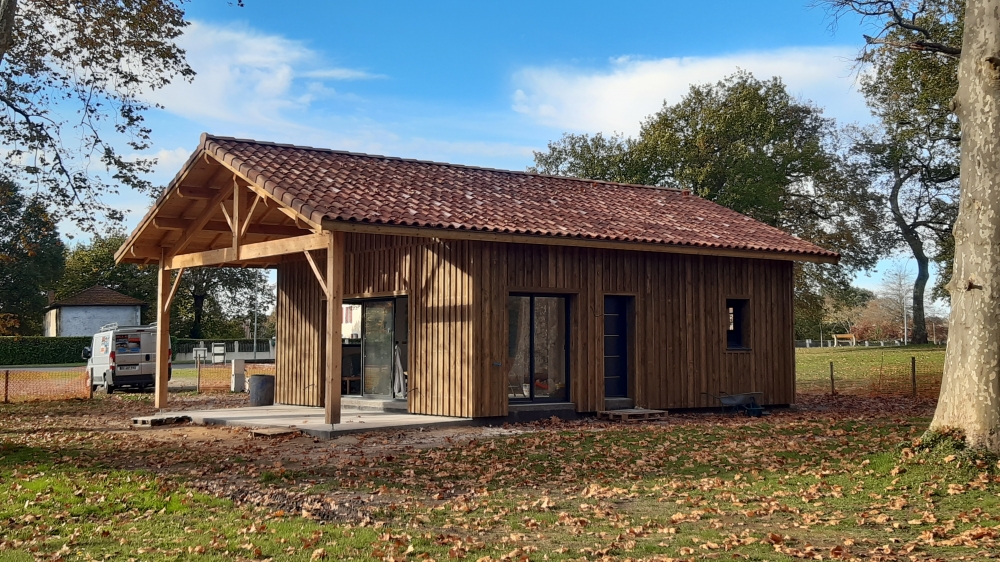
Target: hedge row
{"points": [[39, 350]]}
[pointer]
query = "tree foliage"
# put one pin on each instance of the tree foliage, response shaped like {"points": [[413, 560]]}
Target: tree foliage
{"points": [[93, 263], [72, 80], [211, 302], [749, 145], [220, 302], [913, 153], [31, 260]]}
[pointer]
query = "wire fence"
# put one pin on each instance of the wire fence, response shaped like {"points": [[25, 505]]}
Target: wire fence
{"points": [[876, 373], [31, 385]]}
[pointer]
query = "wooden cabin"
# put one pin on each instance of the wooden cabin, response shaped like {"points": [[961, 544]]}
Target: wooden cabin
{"points": [[468, 290]]}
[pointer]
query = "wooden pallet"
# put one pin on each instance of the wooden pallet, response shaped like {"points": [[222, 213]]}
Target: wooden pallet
{"points": [[273, 431], [631, 414], [147, 422]]}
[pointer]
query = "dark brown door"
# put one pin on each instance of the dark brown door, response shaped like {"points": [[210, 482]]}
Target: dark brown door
{"points": [[615, 347]]}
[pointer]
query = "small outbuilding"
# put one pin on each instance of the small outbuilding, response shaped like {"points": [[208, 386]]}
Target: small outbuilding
{"points": [[465, 291], [84, 313]]}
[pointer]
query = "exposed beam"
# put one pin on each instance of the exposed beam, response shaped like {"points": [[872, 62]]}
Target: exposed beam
{"points": [[219, 226], [193, 192], [199, 222], [249, 214], [143, 253], [225, 214], [248, 252], [173, 291], [319, 276], [238, 210]]}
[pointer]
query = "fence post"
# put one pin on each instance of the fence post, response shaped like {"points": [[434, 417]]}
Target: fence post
{"points": [[197, 363], [913, 374], [833, 389], [6, 386]]}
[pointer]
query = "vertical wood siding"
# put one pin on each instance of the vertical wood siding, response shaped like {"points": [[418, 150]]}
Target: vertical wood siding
{"points": [[678, 329], [458, 321], [298, 372]]}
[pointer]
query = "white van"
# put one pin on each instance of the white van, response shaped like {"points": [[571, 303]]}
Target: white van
{"points": [[123, 356]]}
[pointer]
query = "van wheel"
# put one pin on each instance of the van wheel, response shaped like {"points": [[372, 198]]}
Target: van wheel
{"points": [[109, 388]]}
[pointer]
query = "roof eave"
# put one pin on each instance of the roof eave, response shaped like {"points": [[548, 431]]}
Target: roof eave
{"points": [[488, 236]]}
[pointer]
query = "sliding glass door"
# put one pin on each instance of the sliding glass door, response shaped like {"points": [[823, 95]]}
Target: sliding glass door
{"points": [[371, 331], [538, 348]]}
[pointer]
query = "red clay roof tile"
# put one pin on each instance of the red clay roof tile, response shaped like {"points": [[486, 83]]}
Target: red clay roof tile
{"points": [[342, 186], [98, 296]]}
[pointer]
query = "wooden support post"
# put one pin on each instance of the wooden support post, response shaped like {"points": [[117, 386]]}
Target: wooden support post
{"points": [[334, 301], [913, 374], [833, 389], [162, 333], [6, 386], [237, 214]]}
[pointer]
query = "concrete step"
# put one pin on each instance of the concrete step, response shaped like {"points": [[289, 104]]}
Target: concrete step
{"points": [[361, 404]]}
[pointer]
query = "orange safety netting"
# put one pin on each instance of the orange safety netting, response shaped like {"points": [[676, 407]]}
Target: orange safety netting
{"points": [[894, 380], [29, 385]]}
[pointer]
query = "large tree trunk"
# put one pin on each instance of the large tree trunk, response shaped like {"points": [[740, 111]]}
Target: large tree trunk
{"points": [[912, 238], [199, 308], [8, 9], [919, 333], [970, 391]]}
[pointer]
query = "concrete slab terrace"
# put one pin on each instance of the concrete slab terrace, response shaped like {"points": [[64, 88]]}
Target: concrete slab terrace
{"points": [[309, 420]]}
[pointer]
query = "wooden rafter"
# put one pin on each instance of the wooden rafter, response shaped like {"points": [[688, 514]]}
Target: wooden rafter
{"points": [[220, 226], [199, 222], [192, 192]]}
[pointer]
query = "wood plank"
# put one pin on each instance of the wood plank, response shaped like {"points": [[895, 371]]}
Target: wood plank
{"points": [[195, 192], [222, 226], [162, 337], [248, 252], [335, 299]]}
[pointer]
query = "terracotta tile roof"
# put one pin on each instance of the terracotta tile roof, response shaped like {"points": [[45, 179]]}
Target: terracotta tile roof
{"points": [[342, 186], [98, 296]]}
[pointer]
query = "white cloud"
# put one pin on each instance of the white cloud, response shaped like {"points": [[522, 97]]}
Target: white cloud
{"points": [[341, 74], [247, 76], [619, 97], [169, 161]]}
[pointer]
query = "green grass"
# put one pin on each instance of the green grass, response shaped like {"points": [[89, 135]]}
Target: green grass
{"points": [[784, 487], [887, 369]]}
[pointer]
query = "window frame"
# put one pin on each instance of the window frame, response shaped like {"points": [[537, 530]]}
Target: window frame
{"points": [[740, 305], [531, 346]]}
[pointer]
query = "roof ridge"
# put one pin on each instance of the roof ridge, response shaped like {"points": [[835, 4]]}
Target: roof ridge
{"points": [[208, 136]]}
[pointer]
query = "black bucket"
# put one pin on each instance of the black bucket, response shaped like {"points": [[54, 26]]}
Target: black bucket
{"points": [[261, 390]]}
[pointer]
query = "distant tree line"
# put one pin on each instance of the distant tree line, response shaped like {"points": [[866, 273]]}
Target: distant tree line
{"points": [[34, 262], [865, 192]]}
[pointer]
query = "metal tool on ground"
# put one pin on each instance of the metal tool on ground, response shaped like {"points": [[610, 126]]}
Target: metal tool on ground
{"points": [[632, 414]]}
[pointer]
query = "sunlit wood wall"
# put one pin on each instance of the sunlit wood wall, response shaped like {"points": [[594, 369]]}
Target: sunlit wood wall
{"points": [[458, 320]]}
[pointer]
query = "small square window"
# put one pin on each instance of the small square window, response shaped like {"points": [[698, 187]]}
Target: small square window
{"points": [[738, 324]]}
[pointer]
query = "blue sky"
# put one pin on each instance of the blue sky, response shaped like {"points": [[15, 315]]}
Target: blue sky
{"points": [[478, 83]]}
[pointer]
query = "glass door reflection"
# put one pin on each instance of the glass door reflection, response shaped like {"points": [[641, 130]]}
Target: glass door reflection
{"points": [[537, 348]]}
